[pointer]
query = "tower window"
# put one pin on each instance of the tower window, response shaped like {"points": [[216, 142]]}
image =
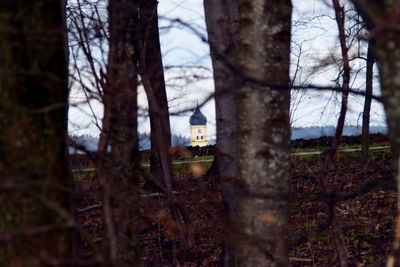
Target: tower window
{"points": [[197, 137], [201, 137]]}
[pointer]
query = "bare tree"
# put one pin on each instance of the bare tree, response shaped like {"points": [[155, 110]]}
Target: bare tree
{"points": [[382, 21], [152, 66], [35, 182], [330, 153], [367, 104], [134, 49], [118, 167], [152, 78], [296, 96]]}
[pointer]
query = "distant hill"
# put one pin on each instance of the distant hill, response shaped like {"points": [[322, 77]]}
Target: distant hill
{"points": [[320, 131]]}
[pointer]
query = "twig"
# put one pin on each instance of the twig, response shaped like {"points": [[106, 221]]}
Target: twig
{"points": [[88, 208], [149, 195], [299, 259]]}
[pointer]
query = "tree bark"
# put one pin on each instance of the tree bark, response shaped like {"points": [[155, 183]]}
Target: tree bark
{"points": [[153, 67], [34, 212], [221, 20], [152, 75], [261, 207], [118, 161], [222, 29], [330, 154], [382, 21], [367, 104], [340, 21]]}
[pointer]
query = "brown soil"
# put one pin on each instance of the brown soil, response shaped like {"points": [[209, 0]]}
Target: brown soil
{"points": [[365, 217]]}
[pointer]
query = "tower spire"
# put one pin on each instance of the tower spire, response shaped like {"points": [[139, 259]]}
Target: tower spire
{"points": [[198, 128]]}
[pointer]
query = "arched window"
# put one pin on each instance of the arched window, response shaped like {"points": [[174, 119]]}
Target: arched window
{"points": [[197, 137], [201, 137]]}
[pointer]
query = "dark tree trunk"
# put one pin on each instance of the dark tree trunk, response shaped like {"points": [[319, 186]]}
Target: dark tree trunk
{"points": [[340, 20], [222, 28], [324, 187], [261, 207], [152, 77], [118, 167], [381, 18], [367, 104], [34, 176], [152, 65]]}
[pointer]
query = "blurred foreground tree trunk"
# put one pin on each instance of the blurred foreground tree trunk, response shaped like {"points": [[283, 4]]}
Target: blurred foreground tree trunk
{"points": [[152, 67], [35, 221], [222, 29], [118, 156], [382, 19], [367, 104], [260, 225]]}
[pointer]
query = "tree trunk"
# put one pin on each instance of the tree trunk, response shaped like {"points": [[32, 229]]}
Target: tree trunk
{"points": [[324, 187], [152, 77], [382, 20], [222, 28], [34, 178], [153, 66], [388, 58], [118, 168], [367, 104], [261, 208], [340, 21]]}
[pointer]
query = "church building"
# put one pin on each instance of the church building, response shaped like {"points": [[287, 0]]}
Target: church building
{"points": [[198, 128]]}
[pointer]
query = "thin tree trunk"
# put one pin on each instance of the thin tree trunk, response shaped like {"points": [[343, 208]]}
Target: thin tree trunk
{"points": [[335, 227], [118, 167], [340, 19], [339, 13], [367, 104], [151, 73], [222, 28], [35, 210], [261, 207], [178, 212], [153, 66]]}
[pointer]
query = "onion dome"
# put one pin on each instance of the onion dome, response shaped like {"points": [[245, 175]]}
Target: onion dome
{"points": [[198, 118]]}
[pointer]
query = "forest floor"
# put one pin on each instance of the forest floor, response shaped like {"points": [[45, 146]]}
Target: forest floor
{"points": [[365, 208]]}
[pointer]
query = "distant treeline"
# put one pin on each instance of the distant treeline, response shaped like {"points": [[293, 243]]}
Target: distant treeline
{"points": [[186, 152], [301, 137]]}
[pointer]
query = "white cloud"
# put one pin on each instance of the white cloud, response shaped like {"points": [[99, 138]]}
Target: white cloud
{"points": [[314, 28]]}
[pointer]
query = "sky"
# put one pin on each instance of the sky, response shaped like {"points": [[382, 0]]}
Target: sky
{"points": [[189, 73]]}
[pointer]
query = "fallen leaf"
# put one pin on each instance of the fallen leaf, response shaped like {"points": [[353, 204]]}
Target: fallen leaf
{"points": [[197, 169], [268, 218]]}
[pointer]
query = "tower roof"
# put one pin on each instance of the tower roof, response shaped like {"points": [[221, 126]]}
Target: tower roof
{"points": [[198, 118]]}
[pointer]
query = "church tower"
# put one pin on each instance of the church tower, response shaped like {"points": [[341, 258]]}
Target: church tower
{"points": [[198, 128]]}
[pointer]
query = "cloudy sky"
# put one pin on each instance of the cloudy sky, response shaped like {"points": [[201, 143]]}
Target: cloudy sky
{"points": [[189, 75]]}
